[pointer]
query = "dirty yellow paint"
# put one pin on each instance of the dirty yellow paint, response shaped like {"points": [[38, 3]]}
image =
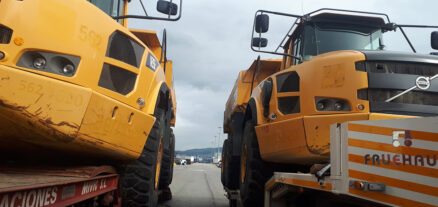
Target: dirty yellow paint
{"points": [[44, 110], [115, 125]]}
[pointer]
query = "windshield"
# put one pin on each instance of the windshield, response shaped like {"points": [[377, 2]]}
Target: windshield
{"points": [[327, 37], [111, 7]]}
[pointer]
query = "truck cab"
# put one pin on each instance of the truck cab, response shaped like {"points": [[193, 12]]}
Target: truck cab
{"points": [[334, 68]]}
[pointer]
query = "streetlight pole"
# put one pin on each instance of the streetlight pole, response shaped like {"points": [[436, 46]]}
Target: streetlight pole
{"points": [[215, 140]]}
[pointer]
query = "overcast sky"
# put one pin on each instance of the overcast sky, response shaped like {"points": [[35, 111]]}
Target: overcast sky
{"points": [[209, 45]]}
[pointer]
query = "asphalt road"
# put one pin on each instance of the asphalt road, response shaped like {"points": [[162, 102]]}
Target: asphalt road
{"points": [[196, 185]]}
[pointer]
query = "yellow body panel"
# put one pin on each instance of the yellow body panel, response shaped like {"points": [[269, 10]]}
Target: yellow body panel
{"points": [[284, 141], [40, 103], [318, 130], [304, 137], [241, 92], [115, 126], [39, 112], [73, 114]]}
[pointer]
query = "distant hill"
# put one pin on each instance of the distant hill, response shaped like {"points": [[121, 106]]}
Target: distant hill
{"points": [[198, 152]]}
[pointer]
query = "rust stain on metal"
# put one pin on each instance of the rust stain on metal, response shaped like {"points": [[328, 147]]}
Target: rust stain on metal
{"points": [[38, 111], [13, 107], [47, 122], [96, 142], [38, 99], [62, 123], [316, 149]]}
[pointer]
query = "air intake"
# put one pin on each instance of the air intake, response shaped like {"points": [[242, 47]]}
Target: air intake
{"points": [[5, 35]]}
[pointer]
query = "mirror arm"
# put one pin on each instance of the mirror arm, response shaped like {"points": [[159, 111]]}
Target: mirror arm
{"points": [[287, 35], [413, 26], [164, 50], [417, 26], [145, 17], [276, 53], [144, 9], [253, 75], [170, 10], [407, 39], [152, 18]]}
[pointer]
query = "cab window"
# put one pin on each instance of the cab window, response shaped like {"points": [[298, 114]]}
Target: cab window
{"points": [[111, 7], [297, 50]]}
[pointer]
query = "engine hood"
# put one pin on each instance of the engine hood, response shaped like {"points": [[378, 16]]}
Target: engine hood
{"points": [[400, 56]]}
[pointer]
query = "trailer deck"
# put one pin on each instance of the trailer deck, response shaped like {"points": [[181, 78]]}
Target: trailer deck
{"points": [[54, 187], [386, 163]]}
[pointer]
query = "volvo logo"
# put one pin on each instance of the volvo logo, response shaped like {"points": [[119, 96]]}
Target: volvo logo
{"points": [[423, 83]]}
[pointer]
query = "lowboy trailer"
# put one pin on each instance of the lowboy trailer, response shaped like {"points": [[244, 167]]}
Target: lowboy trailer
{"points": [[372, 163], [37, 187]]}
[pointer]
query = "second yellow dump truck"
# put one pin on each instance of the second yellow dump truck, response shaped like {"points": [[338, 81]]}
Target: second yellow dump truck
{"points": [[77, 87], [334, 69]]}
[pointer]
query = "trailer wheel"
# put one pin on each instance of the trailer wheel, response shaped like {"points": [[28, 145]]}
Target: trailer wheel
{"points": [[168, 160], [139, 179], [224, 166], [254, 171]]}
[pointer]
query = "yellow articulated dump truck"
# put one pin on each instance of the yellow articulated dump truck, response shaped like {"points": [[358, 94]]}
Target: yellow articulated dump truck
{"points": [[334, 69], [78, 87]]}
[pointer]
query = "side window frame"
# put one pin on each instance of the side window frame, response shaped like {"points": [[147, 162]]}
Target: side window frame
{"points": [[297, 49]]}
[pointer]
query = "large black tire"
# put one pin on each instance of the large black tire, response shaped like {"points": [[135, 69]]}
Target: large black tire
{"points": [[137, 179], [231, 170], [254, 172], [224, 165], [233, 173], [168, 160]]}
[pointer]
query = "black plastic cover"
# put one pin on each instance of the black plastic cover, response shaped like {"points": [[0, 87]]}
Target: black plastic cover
{"points": [[5, 35], [259, 42], [117, 79], [399, 56], [434, 40], [266, 96], [262, 23], [121, 47], [289, 105], [288, 82], [166, 7]]}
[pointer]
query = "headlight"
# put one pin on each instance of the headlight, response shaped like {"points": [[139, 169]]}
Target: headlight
{"points": [[60, 64], [331, 104], [39, 63]]}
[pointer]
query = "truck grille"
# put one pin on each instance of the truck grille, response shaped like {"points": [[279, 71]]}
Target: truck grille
{"points": [[409, 68], [387, 79], [413, 97], [5, 35]]}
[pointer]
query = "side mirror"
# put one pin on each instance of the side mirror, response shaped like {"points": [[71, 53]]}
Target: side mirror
{"points": [[166, 7], [434, 40], [259, 42], [262, 23]]}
